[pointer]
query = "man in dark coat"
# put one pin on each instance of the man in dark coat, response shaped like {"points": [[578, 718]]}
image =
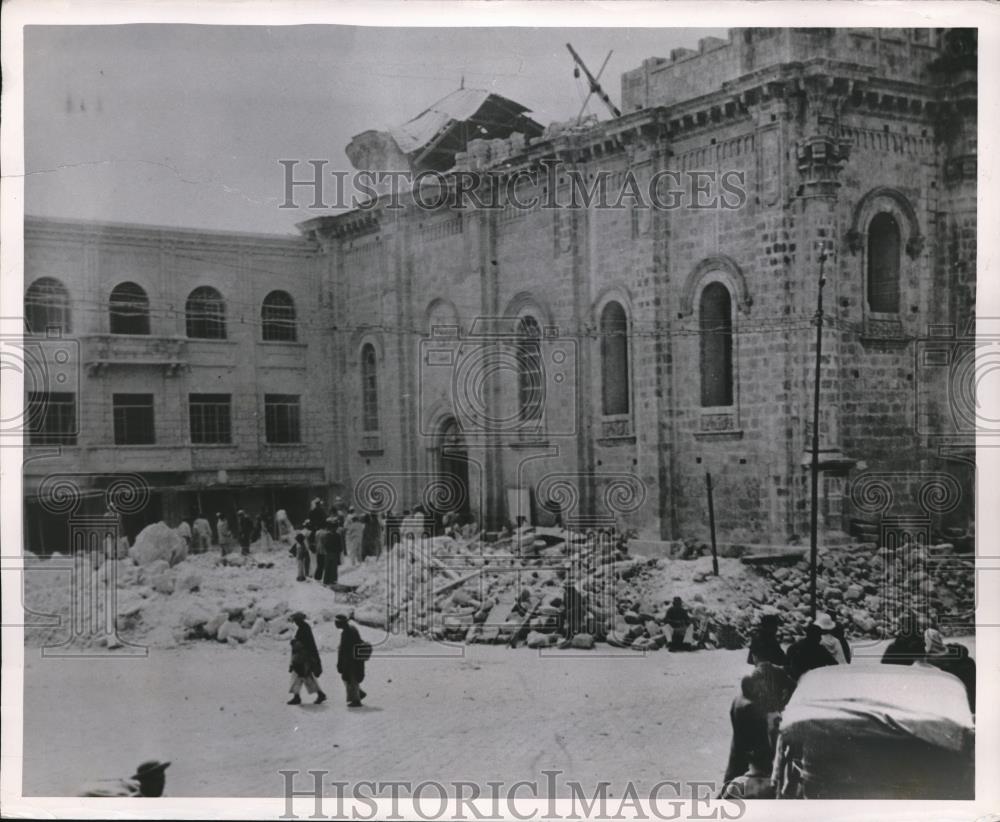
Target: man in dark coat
{"points": [[306, 665], [331, 547], [764, 645], [244, 531], [350, 668], [908, 645], [808, 653], [678, 619], [754, 715], [317, 515]]}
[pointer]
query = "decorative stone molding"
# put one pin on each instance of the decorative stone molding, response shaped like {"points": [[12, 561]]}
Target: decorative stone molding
{"points": [[888, 199], [820, 159], [717, 268]]}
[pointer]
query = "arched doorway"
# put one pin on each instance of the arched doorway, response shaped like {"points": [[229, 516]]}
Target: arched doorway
{"points": [[453, 463]]}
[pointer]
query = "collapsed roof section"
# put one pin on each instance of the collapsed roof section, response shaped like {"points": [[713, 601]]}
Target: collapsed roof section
{"points": [[430, 141]]}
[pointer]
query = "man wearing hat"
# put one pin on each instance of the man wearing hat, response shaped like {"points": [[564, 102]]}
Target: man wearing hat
{"points": [[306, 665], [829, 639], [350, 668], [149, 780]]}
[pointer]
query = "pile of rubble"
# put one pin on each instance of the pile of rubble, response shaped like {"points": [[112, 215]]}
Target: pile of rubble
{"points": [[867, 588], [524, 588]]}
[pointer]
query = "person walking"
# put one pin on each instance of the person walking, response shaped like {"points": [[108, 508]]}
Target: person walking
{"points": [[349, 666], [302, 557], [306, 665]]}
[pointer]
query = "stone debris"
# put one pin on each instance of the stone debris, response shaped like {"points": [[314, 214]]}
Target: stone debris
{"points": [[158, 542], [541, 587]]}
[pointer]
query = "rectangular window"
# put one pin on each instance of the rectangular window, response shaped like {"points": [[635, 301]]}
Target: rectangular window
{"points": [[281, 418], [51, 418], [133, 415], [210, 419]]}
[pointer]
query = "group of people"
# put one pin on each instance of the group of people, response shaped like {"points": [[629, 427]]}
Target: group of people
{"points": [[306, 667], [199, 535], [326, 540], [755, 713]]}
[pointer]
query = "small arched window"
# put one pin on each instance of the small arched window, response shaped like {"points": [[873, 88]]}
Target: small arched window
{"points": [[369, 388], [614, 360], [277, 314], [46, 306], [883, 264], [129, 307], [206, 314], [529, 371], [716, 326]]}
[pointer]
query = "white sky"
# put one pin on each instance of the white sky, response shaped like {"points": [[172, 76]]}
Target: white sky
{"points": [[183, 125]]}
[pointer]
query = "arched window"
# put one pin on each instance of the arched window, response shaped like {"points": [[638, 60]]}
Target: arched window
{"points": [[369, 388], [716, 324], [278, 317], [129, 309], [206, 314], [529, 372], [614, 360], [883, 264], [46, 306]]}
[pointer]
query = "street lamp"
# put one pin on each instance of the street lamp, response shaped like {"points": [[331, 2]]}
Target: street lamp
{"points": [[814, 509]]}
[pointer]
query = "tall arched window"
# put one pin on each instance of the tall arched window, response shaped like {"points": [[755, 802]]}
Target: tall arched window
{"points": [[46, 306], [614, 360], [529, 372], [206, 314], [369, 388], [716, 324], [129, 309], [277, 315], [883, 264]]}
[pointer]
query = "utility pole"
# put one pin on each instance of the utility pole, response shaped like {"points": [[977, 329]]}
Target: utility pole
{"points": [[711, 523], [814, 508], [595, 86]]}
